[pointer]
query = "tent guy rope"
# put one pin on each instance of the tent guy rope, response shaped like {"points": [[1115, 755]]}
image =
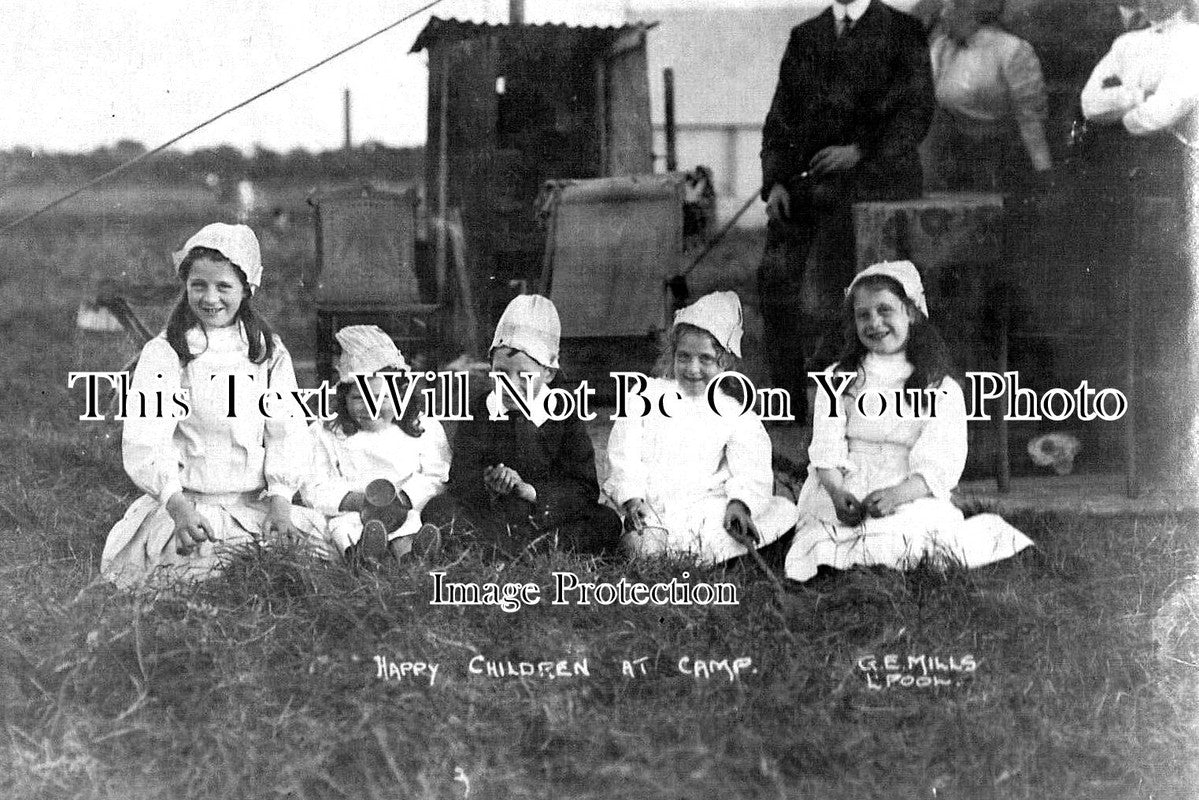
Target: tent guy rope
{"points": [[143, 156]]}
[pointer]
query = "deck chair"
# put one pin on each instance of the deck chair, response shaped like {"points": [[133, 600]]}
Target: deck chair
{"points": [[366, 271], [610, 245]]}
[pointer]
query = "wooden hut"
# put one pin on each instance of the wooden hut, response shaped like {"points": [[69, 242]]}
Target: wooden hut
{"points": [[512, 106]]}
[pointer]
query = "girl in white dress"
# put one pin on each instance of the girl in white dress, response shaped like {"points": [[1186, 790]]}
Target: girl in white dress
{"points": [[222, 475], [880, 476], [354, 449], [692, 481]]}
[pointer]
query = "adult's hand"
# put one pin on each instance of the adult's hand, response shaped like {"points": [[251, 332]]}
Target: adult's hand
{"points": [[778, 203], [834, 158]]}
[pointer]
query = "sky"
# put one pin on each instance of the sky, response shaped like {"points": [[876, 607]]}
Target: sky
{"points": [[78, 74]]}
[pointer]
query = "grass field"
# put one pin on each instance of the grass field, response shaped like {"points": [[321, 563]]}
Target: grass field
{"points": [[1056, 675]]}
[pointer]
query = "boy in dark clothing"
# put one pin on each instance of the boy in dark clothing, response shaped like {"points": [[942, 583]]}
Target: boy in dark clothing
{"points": [[527, 479]]}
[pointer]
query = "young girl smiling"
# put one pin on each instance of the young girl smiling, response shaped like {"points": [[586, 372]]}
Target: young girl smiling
{"points": [[219, 477], [880, 477], [699, 481], [357, 448]]}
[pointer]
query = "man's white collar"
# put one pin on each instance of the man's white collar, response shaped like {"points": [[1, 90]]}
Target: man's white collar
{"points": [[853, 10]]}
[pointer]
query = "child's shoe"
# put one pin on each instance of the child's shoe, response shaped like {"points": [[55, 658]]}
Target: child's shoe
{"points": [[426, 543], [371, 549]]}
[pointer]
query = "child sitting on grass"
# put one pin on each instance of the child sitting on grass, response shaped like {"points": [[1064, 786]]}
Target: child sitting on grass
{"points": [[696, 482], [880, 477], [409, 454], [523, 480], [213, 481]]}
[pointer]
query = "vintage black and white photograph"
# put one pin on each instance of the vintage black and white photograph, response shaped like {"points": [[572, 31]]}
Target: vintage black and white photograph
{"points": [[650, 399]]}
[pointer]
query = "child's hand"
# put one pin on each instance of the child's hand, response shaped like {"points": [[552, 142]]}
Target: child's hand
{"points": [[739, 525], [278, 524], [191, 527], [850, 510], [489, 478], [502, 480], [883, 502]]}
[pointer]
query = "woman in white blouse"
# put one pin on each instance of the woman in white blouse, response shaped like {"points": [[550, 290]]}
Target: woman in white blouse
{"points": [[988, 133], [1149, 80], [218, 469]]}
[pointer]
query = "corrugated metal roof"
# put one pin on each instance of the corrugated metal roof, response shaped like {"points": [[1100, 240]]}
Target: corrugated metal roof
{"points": [[439, 29]]}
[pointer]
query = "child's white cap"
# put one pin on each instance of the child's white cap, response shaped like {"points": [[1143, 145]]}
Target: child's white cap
{"points": [[235, 242], [530, 324], [366, 349], [719, 314], [902, 271]]}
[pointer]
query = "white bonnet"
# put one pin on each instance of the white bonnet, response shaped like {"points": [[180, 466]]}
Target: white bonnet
{"points": [[902, 271], [718, 313], [235, 242], [530, 324], [366, 349]]}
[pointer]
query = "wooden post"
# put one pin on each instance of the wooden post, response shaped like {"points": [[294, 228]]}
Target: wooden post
{"points": [[601, 115], [1131, 268], [453, 226], [731, 136], [1003, 465], [672, 156], [349, 141], [516, 12], [443, 166]]}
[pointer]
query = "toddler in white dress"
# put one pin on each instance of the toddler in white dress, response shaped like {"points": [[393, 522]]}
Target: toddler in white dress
{"points": [[408, 450]]}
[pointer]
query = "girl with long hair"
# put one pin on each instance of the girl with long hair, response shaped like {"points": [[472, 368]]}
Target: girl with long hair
{"points": [[889, 444], [218, 470]]}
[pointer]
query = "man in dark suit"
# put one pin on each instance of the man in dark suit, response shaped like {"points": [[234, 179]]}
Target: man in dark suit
{"points": [[853, 102]]}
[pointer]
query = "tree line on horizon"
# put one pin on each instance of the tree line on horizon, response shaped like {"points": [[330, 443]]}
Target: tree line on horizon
{"points": [[27, 166]]}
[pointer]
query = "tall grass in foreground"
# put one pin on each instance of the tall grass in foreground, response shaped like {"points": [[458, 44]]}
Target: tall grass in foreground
{"points": [[264, 683]]}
